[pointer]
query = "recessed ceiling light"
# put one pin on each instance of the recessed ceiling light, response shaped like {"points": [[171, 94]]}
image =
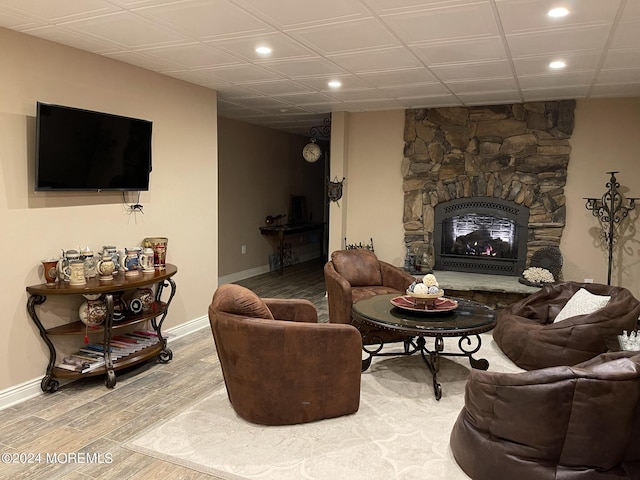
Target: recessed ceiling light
{"points": [[558, 12], [263, 50], [335, 84], [556, 64]]}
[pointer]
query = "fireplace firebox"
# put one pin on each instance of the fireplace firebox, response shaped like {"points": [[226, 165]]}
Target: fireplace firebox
{"points": [[481, 235]]}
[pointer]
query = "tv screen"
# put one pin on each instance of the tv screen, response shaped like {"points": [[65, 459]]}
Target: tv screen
{"points": [[90, 151]]}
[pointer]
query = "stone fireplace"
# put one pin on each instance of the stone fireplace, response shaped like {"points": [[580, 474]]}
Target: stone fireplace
{"points": [[484, 186]]}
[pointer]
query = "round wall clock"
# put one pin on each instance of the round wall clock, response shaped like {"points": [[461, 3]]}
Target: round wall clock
{"points": [[311, 152]]}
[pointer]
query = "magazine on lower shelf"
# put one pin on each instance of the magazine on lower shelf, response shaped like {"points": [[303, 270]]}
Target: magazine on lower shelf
{"points": [[91, 356]]}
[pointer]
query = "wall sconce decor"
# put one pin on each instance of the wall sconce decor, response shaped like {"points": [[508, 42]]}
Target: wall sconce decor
{"points": [[334, 189], [610, 210]]}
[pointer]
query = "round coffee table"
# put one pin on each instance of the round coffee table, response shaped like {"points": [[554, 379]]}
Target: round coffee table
{"points": [[467, 321]]}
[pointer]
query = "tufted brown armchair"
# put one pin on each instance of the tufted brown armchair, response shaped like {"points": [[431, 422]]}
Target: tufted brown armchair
{"points": [[351, 275], [280, 366], [526, 333], [570, 423]]}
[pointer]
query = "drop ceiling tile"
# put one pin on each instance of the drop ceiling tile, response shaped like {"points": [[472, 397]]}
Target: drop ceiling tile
{"points": [[430, 101], [622, 58], [241, 74], [626, 35], [277, 87], [73, 39], [280, 109], [193, 55], [305, 99], [486, 49], [377, 60], [616, 90], [507, 84], [618, 76], [537, 95], [321, 83], [417, 90], [126, 29], [556, 79], [204, 19], [235, 93], [474, 20], [396, 6], [194, 76], [343, 37], [490, 98], [631, 11], [557, 41], [376, 105], [18, 21], [293, 13], [398, 77], [283, 47], [143, 60], [305, 67], [478, 70], [519, 16], [351, 96], [53, 11], [540, 65]]}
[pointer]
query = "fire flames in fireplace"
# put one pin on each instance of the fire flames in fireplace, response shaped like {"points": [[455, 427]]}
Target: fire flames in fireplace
{"points": [[484, 235]]}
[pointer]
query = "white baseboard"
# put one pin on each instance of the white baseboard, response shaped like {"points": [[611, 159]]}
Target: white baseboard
{"points": [[303, 256], [31, 388], [236, 277]]}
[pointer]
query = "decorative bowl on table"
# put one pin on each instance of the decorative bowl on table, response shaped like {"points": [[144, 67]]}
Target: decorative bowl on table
{"points": [[425, 292]]}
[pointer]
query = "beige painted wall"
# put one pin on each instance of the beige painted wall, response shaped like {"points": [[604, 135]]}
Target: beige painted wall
{"points": [[259, 168], [181, 203], [374, 183], [605, 138]]}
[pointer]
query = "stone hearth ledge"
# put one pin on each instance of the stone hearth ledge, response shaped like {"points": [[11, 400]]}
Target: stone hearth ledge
{"points": [[496, 291]]}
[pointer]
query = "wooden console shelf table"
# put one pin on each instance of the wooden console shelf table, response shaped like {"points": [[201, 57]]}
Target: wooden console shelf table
{"points": [[282, 231], [120, 283]]}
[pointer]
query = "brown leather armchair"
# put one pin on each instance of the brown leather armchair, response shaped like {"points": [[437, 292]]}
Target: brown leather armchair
{"points": [[525, 331], [351, 275], [573, 423], [280, 366]]}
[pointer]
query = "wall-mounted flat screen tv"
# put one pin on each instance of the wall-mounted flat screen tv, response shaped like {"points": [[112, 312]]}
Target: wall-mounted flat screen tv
{"points": [[83, 150]]}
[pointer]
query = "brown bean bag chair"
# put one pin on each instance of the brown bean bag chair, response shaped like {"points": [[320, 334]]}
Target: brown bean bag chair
{"points": [[526, 332], [569, 423]]}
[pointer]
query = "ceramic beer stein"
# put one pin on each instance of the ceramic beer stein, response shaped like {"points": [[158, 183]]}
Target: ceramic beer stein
{"points": [[130, 263], [105, 267], [146, 261], [64, 263], [76, 273], [89, 263], [113, 251]]}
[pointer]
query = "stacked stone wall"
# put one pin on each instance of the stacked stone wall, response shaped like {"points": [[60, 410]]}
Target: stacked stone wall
{"points": [[516, 152]]}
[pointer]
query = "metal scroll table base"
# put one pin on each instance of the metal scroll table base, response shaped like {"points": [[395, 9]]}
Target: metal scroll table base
{"points": [[467, 344]]}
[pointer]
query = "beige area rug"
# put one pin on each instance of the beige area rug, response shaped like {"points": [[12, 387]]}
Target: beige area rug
{"points": [[399, 432]]}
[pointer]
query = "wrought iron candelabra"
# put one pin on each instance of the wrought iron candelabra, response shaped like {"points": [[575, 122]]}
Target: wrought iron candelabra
{"points": [[611, 210]]}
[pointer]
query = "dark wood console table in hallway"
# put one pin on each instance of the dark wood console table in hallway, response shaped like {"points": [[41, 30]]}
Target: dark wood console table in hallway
{"points": [[281, 231]]}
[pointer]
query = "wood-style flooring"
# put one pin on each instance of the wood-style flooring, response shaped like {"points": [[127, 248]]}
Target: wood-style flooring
{"points": [[84, 418]]}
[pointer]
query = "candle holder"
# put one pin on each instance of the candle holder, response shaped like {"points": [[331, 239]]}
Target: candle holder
{"points": [[611, 210]]}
